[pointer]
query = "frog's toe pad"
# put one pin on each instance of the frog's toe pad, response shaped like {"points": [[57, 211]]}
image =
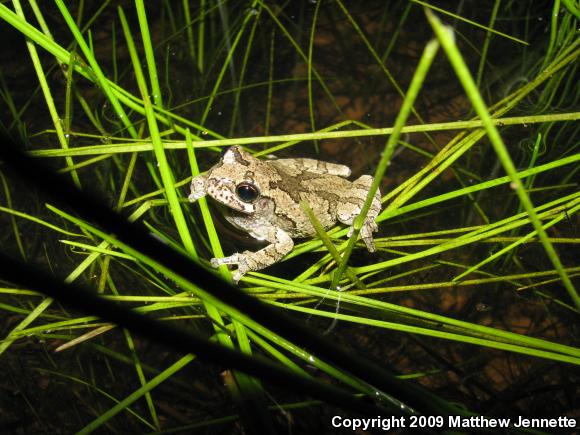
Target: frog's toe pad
{"points": [[370, 244]]}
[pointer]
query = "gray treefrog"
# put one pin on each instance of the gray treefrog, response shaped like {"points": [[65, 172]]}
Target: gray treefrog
{"points": [[262, 198]]}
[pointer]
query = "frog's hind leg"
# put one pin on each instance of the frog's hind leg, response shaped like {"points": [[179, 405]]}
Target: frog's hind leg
{"points": [[352, 207]]}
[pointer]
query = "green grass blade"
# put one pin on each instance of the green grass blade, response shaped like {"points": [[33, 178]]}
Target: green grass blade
{"points": [[447, 41], [417, 81], [96, 69]]}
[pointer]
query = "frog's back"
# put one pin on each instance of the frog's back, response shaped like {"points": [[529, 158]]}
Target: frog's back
{"points": [[322, 192]]}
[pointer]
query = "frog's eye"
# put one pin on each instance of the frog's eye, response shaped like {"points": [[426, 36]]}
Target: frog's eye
{"points": [[247, 191]]}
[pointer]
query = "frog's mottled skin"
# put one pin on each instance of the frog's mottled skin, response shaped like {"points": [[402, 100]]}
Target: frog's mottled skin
{"points": [[274, 214]]}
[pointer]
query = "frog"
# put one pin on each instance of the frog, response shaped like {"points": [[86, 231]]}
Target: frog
{"points": [[262, 198]]}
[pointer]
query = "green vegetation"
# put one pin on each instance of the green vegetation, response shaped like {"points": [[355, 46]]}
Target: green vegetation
{"points": [[477, 265]]}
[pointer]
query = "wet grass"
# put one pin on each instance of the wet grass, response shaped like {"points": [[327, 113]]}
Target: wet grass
{"points": [[477, 246]]}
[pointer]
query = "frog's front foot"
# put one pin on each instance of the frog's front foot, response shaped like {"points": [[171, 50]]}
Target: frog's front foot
{"points": [[198, 188], [248, 261], [241, 259]]}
